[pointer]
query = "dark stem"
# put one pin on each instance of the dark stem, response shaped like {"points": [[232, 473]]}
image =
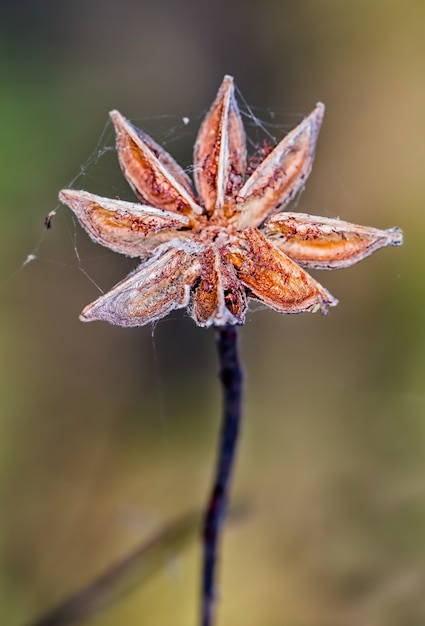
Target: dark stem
{"points": [[231, 380]]}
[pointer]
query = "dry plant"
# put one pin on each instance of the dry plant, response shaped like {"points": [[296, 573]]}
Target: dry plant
{"points": [[211, 251]]}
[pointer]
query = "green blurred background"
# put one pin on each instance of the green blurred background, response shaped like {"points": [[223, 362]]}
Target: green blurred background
{"points": [[106, 434]]}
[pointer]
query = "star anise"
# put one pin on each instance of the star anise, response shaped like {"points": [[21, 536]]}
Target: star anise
{"points": [[213, 251]]}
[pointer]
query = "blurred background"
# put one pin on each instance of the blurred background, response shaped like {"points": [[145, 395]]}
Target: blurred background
{"points": [[107, 434]]}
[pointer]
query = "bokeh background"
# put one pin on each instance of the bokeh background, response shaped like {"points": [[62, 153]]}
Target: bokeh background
{"points": [[107, 434]]}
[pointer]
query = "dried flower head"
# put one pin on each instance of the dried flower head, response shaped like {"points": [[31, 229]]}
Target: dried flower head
{"points": [[212, 251]]}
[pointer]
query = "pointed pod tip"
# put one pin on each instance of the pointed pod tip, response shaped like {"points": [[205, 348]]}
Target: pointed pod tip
{"points": [[67, 195], [63, 194], [74, 197], [118, 120], [327, 301], [227, 86], [312, 124], [395, 236], [316, 116], [114, 114], [85, 314]]}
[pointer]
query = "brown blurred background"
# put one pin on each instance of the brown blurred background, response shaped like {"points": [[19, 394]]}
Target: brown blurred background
{"points": [[106, 434]]}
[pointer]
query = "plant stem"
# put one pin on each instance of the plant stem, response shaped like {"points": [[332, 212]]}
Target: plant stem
{"points": [[231, 380]]}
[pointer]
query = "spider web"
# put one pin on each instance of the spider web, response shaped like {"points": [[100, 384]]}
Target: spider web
{"points": [[100, 174]]}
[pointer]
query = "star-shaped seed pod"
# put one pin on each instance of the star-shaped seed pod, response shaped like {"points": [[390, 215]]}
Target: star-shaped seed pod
{"points": [[232, 241]]}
